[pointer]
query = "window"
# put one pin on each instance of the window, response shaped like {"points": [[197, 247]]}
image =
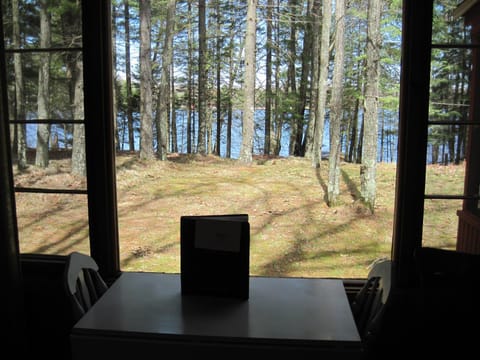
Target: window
{"points": [[449, 121], [75, 174], [418, 197], [422, 117], [293, 232], [45, 92]]}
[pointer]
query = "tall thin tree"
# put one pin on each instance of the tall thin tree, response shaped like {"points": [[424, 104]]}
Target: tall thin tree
{"points": [[190, 82], [301, 103], [202, 77], [20, 113], [370, 131], [71, 27], [79, 164], [278, 119], [146, 120], [128, 77], [268, 81], [218, 76], [249, 84], [322, 83], [294, 16], [114, 73], [163, 100], [336, 110], [43, 130]]}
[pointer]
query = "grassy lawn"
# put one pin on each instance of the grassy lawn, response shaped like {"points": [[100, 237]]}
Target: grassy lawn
{"points": [[293, 231]]}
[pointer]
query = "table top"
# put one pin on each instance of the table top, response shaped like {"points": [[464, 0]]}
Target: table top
{"points": [[279, 309]]}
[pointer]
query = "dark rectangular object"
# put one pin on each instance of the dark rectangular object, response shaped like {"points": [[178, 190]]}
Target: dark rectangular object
{"points": [[215, 255]]}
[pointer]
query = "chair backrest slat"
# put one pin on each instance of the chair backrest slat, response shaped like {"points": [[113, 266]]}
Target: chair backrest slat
{"points": [[83, 283], [369, 304]]}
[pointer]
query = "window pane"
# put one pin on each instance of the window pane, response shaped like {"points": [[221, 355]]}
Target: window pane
{"points": [[446, 27], [440, 223], [52, 223], [449, 84], [446, 144], [60, 165], [63, 74], [443, 176], [65, 24]]}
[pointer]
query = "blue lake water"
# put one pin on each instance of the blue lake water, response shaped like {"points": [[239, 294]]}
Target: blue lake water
{"points": [[389, 150]]}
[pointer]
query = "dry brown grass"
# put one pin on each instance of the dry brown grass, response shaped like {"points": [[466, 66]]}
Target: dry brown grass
{"points": [[293, 231]]}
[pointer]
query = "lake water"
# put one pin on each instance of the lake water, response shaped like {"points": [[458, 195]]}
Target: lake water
{"points": [[389, 152]]}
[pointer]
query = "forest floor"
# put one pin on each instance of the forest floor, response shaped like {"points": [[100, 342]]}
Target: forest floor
{"points": [[293, 231]]}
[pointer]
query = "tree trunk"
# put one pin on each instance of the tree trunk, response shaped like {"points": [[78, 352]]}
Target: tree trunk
{"points": [[228, 152], [231, 81], [21, 149], [336, 109], [233, 64], [278, 116], [249, 85], [292, 72], [43, 130], [128, 78], [369, 146], [268, 82], [190, 102], [202, 78], [146, 121], [308, 141], [322, 84], [79, 165], [304, 79], [173, 110], [114, 75], [163, 101], [218, 79]]}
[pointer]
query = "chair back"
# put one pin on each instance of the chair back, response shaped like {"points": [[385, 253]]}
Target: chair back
{"points": [[84, 285], [369, 304]]}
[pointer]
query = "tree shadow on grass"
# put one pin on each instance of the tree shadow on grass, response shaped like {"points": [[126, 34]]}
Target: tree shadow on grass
{"points": [[352, 187], [322, 184]]}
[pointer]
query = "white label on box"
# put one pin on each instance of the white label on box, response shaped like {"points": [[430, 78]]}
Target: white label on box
{"points": [[223, 235]]}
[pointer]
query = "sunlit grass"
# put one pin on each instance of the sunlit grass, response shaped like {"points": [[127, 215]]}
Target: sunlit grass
{"points": [[293, 231]]}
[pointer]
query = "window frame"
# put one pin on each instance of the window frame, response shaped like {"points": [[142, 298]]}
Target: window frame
{"points": [[412, 139], [99, 142], [99, 137], [13, 316]]}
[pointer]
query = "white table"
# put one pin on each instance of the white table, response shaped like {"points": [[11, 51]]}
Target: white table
{"points": [[143, 315]]}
